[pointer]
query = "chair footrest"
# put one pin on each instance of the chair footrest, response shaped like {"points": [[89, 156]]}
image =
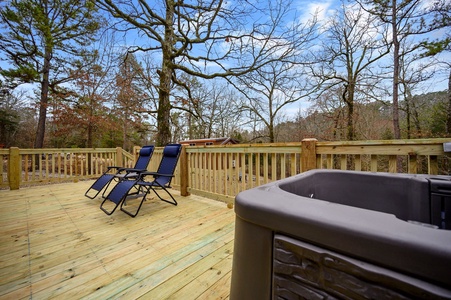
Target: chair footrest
{"points": [[135, 195]]}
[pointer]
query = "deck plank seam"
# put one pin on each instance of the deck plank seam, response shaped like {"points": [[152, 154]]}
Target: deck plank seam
{"points": [[30, 282]]}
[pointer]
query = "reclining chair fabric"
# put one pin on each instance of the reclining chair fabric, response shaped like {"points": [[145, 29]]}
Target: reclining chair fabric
{"points": [[121, 173], [162, 180]]}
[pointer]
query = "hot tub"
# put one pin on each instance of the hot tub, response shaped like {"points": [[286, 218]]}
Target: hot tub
{"points": [[344, 234]]}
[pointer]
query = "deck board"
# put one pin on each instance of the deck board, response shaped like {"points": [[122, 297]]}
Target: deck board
{"points": [[56, 243]]}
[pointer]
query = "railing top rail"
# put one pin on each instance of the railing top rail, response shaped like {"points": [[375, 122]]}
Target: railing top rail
{"points": [[388, 147], [434, 141], [247, 148], [61, 150], [382, 147]]}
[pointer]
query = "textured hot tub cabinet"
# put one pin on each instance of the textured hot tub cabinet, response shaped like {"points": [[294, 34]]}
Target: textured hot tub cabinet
{"points": [[344, 235]]}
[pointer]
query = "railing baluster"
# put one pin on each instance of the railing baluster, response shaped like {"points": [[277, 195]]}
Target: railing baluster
{"points": [[358, 162], [265, 168], [257, 169], [433, 165]]}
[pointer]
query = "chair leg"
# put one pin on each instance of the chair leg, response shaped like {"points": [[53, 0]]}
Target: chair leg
{"points": [[107, 185], [106, 211], [137, 211], [173, 202], [89, 196], [117, 195]]}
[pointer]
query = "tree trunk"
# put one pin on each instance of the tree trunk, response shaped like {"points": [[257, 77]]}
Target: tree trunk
{"points": [[348, 98], [396, 127], [272, 137], [40, 131], [448, 121], [164, 108], [271, 133], [408, 99], [125, 129], [164, 104], [90, 129]]}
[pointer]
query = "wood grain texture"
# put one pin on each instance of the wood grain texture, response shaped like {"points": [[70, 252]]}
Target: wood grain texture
{"points": [[56, 243]]}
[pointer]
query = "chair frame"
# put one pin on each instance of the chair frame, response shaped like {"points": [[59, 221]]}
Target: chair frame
{"points": [[143, 187], [148, 186], [122, 173]]}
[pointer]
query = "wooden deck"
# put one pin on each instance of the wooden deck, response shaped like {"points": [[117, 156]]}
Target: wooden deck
{"points": [[56, 243]]}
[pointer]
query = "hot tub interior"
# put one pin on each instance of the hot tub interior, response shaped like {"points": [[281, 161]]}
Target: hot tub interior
{"points": [[415, 198]]}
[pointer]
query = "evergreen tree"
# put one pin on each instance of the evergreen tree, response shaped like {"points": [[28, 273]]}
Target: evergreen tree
{"points": [[41, 39]]}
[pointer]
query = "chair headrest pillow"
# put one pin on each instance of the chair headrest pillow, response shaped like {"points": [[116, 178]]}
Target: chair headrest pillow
{"points": [[171, 150], [145, 151]]}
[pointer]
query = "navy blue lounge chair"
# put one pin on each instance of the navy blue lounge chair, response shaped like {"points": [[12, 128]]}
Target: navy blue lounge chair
{"points": [[141, 187], [119, 173]]}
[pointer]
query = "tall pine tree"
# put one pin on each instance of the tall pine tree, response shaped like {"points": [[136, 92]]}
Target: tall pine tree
{"points": [[41, 39]]}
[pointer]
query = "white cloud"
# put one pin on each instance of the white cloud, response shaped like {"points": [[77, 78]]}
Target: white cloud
{"points": [[322, 10]]}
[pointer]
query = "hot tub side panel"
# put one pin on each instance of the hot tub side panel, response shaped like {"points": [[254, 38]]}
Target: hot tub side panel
{"points": [[252, 261], [305, 271]]}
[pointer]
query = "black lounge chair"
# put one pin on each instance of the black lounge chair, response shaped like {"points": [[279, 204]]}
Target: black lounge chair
{"points": [[119, 173], [161, 181]]}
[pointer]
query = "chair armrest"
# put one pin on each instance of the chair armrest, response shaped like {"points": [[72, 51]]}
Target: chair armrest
{"points": [[129, 173], [113, 167], [129, 170], [155, 174]]}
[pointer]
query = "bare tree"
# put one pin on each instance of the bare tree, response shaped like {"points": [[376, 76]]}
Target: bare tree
{"points": [[407, 18], [442, 16], [207, 39], [212, 110], [128, 98], [81, 115], [414, 70], [328, 113], [352, 46], [271, 89]]}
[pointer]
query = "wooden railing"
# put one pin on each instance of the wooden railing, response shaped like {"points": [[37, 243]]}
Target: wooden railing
{"points": [[22, 167], [221, 172]]}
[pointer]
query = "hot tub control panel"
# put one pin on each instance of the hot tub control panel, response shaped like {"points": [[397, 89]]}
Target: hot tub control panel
{"points": [[440, 193]]}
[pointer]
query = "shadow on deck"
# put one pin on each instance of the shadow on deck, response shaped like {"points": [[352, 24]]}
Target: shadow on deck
{"points": [[56, 243]]}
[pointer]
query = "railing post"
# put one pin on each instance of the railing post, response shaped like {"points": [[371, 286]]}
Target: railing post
{"points": [[14, 168], [136, 153], [308, 154], [119, 160], [184, 178]]}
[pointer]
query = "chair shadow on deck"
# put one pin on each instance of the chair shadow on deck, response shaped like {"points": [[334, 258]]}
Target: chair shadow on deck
{"points": [[126, 191]]}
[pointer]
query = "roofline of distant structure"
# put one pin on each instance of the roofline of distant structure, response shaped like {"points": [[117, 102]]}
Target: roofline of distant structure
{"points": [[223, 140]]}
